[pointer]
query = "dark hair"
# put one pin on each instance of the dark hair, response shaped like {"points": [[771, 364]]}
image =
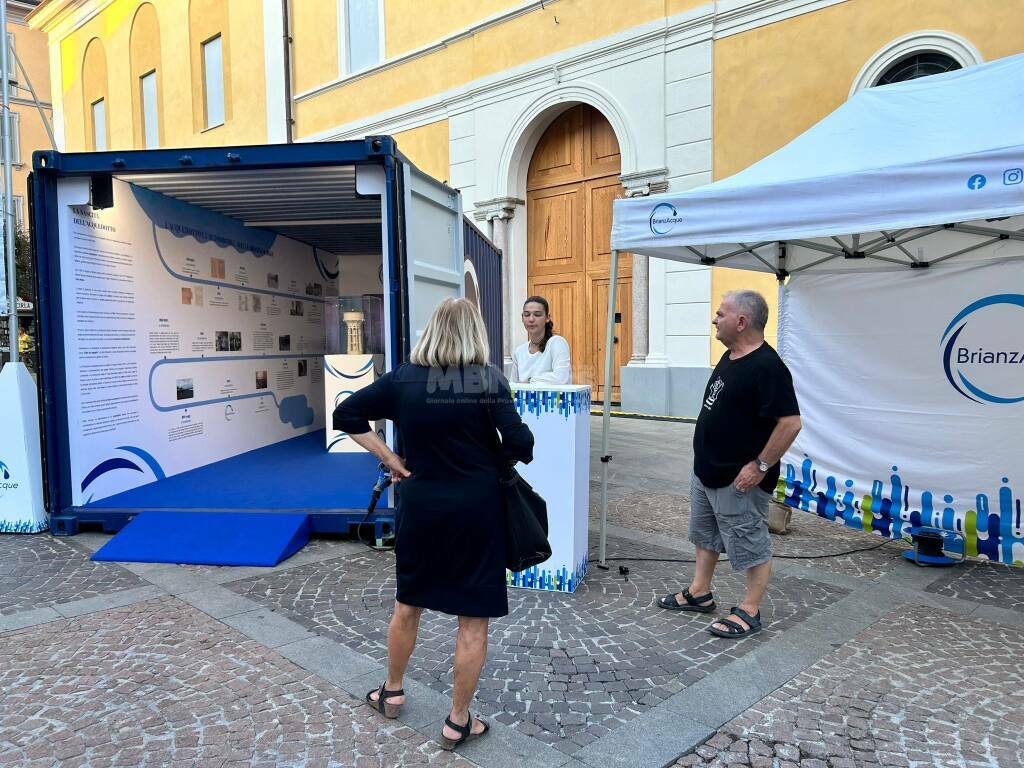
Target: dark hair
{"points": [[549, 326]]}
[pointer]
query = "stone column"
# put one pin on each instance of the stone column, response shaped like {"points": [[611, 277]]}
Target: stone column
{"points": [[642, 184], [497, 213]]}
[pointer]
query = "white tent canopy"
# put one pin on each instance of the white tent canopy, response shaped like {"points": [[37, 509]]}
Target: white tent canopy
{"points": [[900, 171], [915, 174]]}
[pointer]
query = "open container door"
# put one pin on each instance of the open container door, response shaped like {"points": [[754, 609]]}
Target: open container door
{"points": [[433, 246], [182, 306]]}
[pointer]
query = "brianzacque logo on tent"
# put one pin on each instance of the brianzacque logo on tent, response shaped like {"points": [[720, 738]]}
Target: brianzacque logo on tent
{"points": [[664, 216], [7, 482], [983, 351]]}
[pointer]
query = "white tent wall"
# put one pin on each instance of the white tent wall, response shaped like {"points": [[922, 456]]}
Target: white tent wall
{"points": [[911, 390], [918, 178]]}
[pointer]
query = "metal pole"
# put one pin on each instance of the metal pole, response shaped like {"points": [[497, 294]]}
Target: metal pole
{"points": [[31, 90], [606, 415], [10, 224]]}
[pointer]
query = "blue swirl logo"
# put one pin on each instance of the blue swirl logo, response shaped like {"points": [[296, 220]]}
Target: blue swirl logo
{"points": [[959, 359], [115, 463], [663, 218], [5, 473]]}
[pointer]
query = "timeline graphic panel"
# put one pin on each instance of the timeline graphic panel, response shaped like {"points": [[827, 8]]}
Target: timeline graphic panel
{"points": [[190, 338]]}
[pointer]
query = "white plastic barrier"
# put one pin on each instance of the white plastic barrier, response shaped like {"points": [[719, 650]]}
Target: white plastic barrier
{"points": [[21, 482]]}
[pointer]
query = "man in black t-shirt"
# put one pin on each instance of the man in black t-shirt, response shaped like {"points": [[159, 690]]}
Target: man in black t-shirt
{"points": [[748, 419]]}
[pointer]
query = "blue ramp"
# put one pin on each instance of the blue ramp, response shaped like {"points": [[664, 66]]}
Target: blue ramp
{"points": [[208, 538]]}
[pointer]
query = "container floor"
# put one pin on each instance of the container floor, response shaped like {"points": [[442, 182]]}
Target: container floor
{"points": [[292, 474]]}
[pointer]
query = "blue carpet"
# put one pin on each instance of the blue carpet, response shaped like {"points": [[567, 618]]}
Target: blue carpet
{"points": [[293, 474], [209, 538]]}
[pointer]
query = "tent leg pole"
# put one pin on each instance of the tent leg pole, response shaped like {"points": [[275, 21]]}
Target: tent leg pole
{"points": [[609, 349]]}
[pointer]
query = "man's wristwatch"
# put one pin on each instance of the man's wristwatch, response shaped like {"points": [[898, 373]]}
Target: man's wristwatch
{"points": [[762, 466]]}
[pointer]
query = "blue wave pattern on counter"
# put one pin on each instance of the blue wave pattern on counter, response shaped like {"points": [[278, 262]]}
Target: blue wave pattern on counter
{"points": [[538, 403], [552, 580]]}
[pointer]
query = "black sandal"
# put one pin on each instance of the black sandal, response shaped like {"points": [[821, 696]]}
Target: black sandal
{"points": [[389, 711], [466, 732], [734, 630], [695, 604]]}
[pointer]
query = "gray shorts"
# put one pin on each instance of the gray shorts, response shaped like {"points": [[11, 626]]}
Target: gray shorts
{"points": [[726, 520]]}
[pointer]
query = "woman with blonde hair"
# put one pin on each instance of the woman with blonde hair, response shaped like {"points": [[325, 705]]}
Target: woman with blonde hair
{"points": [[450, 522]]}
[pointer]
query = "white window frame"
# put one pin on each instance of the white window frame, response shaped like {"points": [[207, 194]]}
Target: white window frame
{"points": [[150, 141], [343, 64], [15, 123], [207, 80], [99, 138], [12, 64], [957, 48], [19, 210]]}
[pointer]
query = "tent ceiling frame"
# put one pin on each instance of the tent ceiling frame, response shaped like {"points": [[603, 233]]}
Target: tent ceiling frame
{"points": [[744, 248], [968, 249], [892, 239], [875, 248], [812, 246], [805, 267], [1001, 234]]}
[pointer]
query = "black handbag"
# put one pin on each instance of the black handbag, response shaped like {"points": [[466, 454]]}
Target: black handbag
{"points": [[526, 514]]}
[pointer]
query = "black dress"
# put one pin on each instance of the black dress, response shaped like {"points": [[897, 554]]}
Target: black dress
{"points": [[450, 525]]}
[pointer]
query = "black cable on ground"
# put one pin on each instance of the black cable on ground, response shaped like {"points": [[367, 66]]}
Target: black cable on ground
{"points": [[726, 559]]}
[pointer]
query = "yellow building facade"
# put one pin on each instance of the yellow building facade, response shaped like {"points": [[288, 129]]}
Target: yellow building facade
{"points": [[539, 111]]}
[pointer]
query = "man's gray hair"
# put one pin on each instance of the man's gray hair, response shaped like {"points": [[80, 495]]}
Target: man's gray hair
{"points": [[753, 306]]}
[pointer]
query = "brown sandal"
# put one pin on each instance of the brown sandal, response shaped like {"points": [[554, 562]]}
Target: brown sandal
{"points": [[389, 711], [466, 732]]}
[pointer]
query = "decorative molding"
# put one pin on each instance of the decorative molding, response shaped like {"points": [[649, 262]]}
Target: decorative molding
{"points": [[426, 50], [729, 17], [496, 208], [643, 183], [735, 16], [513, 151], [60, 18], [23, 102], [634, 44], [927, 40]]}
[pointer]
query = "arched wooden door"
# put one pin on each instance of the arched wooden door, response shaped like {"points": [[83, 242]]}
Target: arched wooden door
{"points": [[573, 178]]}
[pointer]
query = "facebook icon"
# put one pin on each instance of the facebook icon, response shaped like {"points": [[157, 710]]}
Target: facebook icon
{"points": [[977, 181]]}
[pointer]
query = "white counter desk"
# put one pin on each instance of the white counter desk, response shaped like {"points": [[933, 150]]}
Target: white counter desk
{"points": [[559, 417]]}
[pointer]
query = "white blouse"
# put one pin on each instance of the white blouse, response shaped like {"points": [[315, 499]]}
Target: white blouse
{"points": [[552, 366]]}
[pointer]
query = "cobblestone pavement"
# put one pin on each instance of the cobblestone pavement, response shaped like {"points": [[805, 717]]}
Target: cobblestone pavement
{"points": [[160, 683], [855, 669], [319, 548], [808, 534], [922, 688], [41, 570], [647, 495], [564, 669], [984, 583]]}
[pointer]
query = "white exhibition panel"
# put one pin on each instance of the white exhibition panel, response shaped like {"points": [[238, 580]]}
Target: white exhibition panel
{"points": [[189, 338], [911, 390], [21, 481], [344, 376], [559, 417]]}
